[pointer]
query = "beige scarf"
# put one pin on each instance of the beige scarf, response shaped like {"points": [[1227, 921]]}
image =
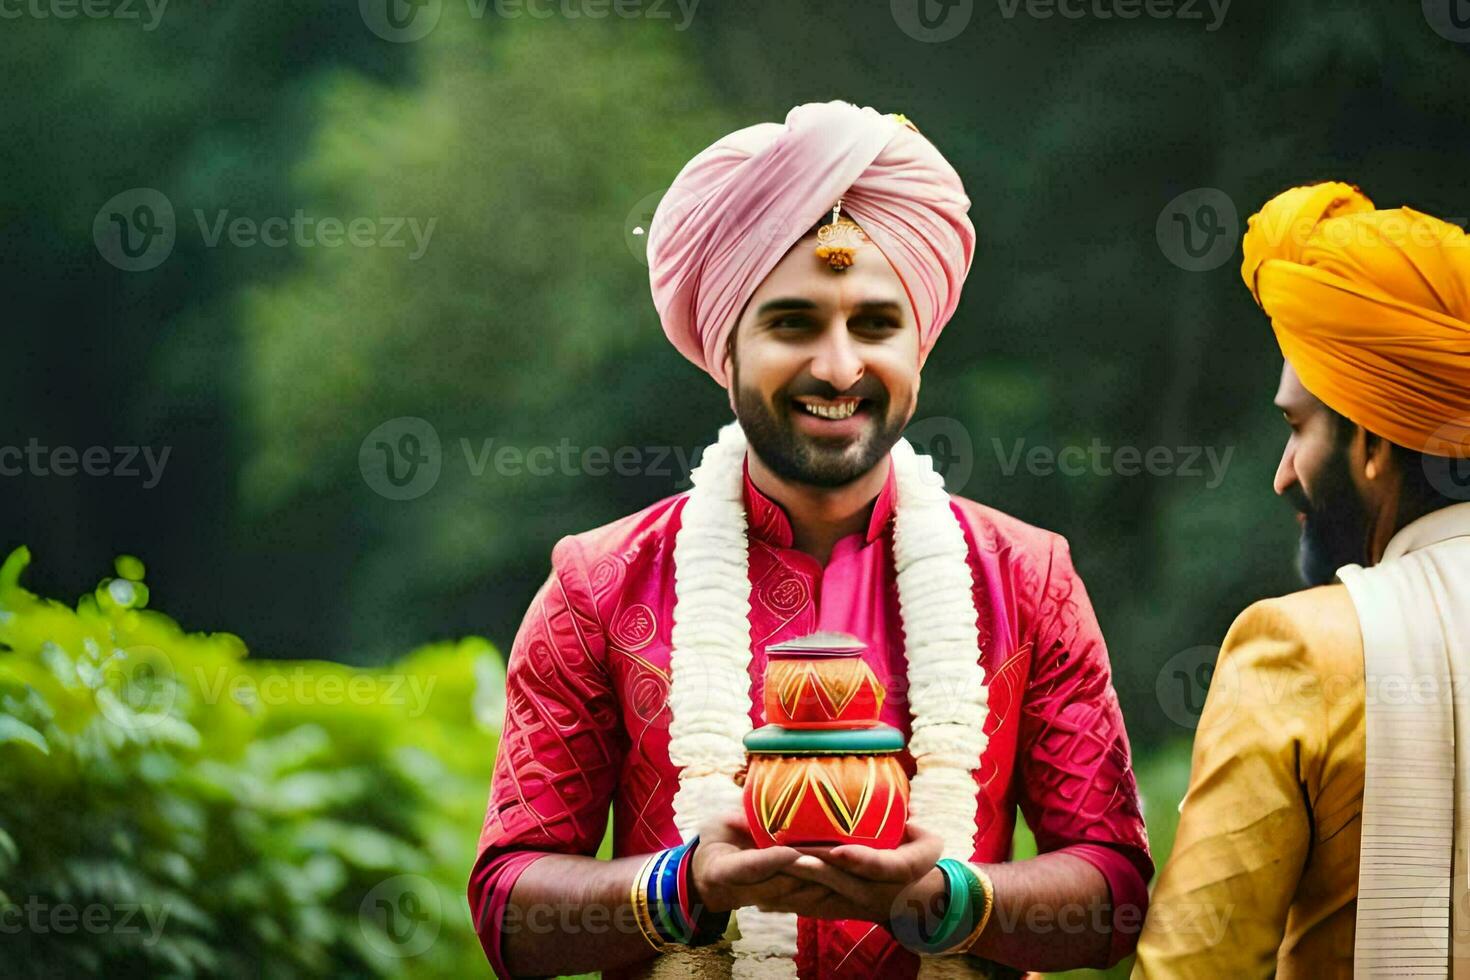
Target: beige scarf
{"points": [[1413, 875]]}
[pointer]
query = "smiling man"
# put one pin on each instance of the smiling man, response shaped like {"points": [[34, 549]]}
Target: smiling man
{"points": [[1322, 835], [809, 268]]}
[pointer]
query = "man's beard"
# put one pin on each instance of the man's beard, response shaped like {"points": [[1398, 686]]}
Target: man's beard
{"points": [[1335, 532], [800, 458]]}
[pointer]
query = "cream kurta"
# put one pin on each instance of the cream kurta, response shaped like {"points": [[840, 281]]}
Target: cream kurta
{"points": [[1263, 878]]}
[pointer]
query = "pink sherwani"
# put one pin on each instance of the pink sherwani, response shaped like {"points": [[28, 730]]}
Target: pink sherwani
{"points": [[587, 715]]}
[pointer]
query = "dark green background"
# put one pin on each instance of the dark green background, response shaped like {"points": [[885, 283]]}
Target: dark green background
{"points": [[528, 320]]}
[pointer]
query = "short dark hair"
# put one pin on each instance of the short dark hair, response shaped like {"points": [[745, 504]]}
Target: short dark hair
{"points": [[1420, 493]]}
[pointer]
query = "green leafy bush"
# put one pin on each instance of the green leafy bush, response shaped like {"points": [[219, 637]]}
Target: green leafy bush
{"points": [[170, 807]]}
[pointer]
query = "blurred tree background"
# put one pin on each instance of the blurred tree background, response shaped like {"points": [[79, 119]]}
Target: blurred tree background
{"points": [[535, 145]]}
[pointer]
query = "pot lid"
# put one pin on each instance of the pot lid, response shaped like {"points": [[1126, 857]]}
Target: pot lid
{"points": [[776, 740], [824, 644]]}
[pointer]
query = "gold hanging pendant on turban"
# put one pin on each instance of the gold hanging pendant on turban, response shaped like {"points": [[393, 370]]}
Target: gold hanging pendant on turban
{"points": [[838, 241]]}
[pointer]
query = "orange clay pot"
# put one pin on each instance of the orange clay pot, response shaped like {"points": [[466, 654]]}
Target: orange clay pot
{"points": [[815, 788], [821, 688], [817, 800]]}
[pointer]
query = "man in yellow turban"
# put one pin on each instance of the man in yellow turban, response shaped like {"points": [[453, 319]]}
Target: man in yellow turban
{"points": [[1323, 834]]}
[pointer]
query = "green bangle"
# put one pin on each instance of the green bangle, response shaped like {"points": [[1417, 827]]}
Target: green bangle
{"points": [[958, 913], [970, 885], [978, 903]]}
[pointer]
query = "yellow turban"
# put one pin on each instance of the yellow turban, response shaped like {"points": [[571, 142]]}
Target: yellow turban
{"points": [[1372, 310]]}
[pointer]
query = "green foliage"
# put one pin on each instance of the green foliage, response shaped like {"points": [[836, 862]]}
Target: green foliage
{"points": [[170, 807]]}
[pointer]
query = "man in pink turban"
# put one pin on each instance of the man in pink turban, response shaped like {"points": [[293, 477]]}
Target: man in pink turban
{"points": [[738, 207], [809, 268]]}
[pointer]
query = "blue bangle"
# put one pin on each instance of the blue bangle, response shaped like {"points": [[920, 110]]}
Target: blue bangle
{"points": [[657, 907], [651, 887], [663, 896], [668, 895], [668, 871]]}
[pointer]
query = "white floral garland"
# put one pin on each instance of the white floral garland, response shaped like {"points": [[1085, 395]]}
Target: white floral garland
{"points": [[709, 692]]}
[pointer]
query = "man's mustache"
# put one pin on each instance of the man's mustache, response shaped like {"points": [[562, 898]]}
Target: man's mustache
{"points": [[871, 390], [1297, 497]]}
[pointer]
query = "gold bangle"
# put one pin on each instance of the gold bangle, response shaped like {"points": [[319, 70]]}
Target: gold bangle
{"points": [[639, 898], [988, 886]]}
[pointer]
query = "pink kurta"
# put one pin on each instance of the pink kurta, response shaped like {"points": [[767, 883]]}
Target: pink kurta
{"points": [[587, 715]]}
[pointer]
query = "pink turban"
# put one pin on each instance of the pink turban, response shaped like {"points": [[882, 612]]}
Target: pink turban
{"points": [[738, 207]]}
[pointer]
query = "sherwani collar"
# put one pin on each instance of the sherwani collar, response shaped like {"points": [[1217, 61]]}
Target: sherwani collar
{"points": [[1436, 526], [769, 522]]}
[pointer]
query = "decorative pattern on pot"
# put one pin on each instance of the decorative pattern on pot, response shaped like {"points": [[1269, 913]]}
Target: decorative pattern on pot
{"points": [[824, 771]]}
